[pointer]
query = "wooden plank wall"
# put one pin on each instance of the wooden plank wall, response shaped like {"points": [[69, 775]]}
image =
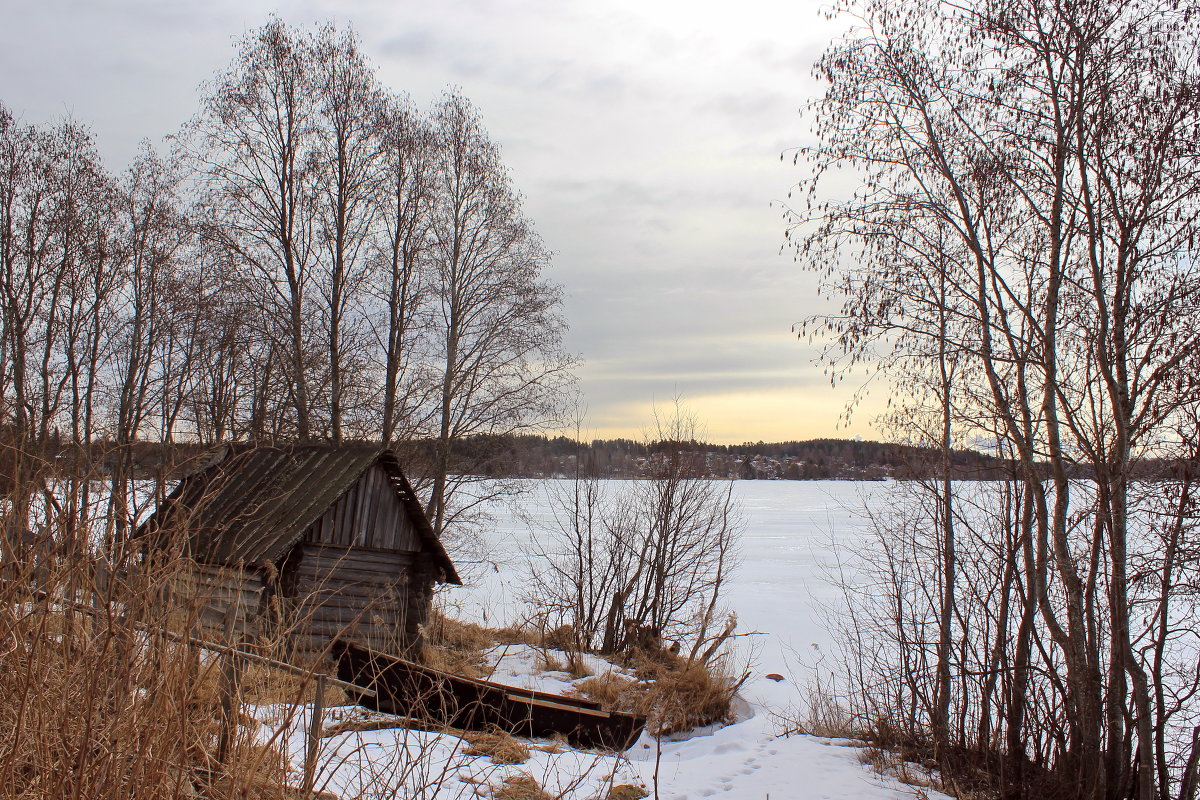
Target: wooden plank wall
{"points": [[359, 573], [210, 595], [368, 515], [358, 593]]}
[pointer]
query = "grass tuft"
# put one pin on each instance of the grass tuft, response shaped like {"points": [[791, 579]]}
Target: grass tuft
{"points": [[610, 690], [455, 646], [499, 746], [520, 787]]}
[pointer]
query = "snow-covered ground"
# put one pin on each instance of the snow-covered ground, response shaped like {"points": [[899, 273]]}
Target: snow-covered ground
{"points": [[782, 592]]}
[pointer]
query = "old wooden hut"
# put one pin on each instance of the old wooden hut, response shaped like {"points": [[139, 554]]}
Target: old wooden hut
{"points": [[301, 544]]}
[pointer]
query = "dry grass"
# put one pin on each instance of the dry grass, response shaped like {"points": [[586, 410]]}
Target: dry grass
{"points": [[627, 791], [364, 726], [497, 745], [609, 690], [104, 696], [893, 764], [828, 717], [577, 666], [460, 647], [686, 695], [878, 759], [517, 635], [254, 772], [823, 715], [100, 705], [263, 684], [910, 762], [561, 638], [447, 632], [549, 663], [469, 664], [520, 787], [673, 694], [455, 646], [557, 744]]}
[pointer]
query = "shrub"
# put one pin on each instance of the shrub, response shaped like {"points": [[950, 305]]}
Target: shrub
{"points": [[674, 694]]}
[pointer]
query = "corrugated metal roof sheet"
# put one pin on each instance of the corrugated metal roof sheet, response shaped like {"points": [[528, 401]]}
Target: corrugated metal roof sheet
{"points": [[251, 505]]}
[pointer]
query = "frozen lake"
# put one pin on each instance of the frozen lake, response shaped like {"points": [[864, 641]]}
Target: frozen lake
{"points": [[784, 589]]}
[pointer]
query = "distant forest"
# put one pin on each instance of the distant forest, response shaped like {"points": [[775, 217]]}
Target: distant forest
{"points": [[531, 456], [538, 456], [534, 456]]}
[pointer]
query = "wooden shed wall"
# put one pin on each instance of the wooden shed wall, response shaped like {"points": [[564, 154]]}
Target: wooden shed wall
{"points": [[219, 599], [371, 596], [368, 515], [359, 572]]}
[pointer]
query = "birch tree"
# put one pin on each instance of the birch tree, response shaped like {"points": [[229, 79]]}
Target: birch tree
{"points": [[252, 146], [500, 366]]}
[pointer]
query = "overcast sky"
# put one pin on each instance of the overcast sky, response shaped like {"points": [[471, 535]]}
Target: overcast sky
{"points": [[646, 136]]}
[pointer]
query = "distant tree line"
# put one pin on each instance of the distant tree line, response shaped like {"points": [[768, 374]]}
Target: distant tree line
{"points": [[536, 455], [539, 456], [316, 259], [542, 456]]}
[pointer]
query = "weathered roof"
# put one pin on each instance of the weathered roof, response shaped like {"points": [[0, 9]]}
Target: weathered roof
{"points": [[251, 505]]}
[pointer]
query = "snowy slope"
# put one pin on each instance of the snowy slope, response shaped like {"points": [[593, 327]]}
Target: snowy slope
{"points": [[747, 759]]}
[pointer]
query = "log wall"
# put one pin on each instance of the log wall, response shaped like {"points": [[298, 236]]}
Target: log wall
{"points": [[367, 595], [213, 599]]}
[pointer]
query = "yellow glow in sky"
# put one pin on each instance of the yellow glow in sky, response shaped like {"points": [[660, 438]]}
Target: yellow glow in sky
{"points": [[783, 414]]}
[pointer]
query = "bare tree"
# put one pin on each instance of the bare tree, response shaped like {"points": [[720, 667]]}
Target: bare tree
{"points": [[500, 367], [144, 352], [1029, 206], [407, 200], [59, 272], [350, 165], [636, 564], [252, 145]]}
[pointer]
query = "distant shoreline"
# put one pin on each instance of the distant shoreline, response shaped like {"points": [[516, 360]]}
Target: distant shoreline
{"points": [[540, 457]]}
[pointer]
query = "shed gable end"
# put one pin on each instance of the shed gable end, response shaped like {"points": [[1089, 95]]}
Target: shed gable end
{"points": [[368, 515]]}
